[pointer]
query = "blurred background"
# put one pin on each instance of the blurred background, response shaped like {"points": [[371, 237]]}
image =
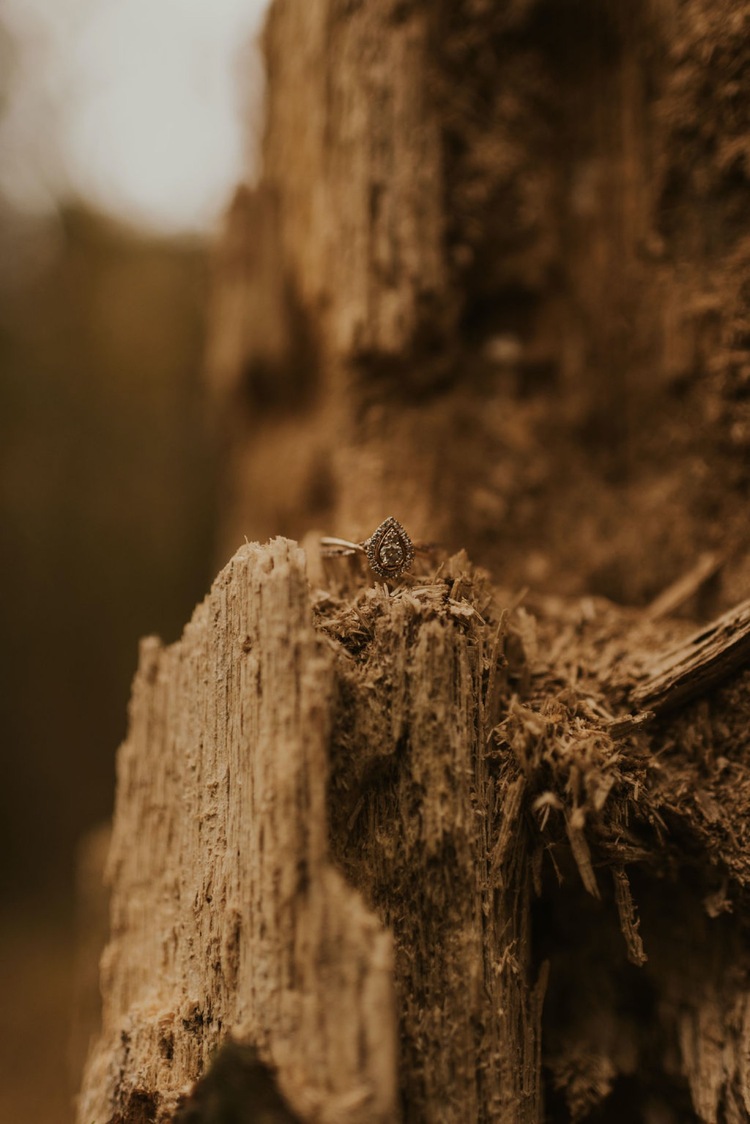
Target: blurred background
{"points": [[123, 131]]}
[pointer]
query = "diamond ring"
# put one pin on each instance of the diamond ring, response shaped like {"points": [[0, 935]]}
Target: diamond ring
{"points": [[389, 550]]}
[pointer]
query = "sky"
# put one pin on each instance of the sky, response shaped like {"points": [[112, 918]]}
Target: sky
{"points": [[142, 107]]}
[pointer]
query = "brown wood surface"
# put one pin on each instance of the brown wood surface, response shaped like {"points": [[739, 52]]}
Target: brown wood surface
{"points": [[226, 912], [493, 281], [357, 830], [690, 669], [412, 844]]}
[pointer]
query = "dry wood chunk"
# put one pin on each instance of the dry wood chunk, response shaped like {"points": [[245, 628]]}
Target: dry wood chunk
{"points": [[226, 912]]}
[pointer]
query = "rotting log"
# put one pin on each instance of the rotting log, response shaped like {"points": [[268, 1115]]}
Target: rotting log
{"points": [[385, 841]]}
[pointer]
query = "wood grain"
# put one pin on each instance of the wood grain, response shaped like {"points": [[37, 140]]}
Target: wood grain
{"points": [[697, 664], [227, 915], [260, 754], [364, 832]]}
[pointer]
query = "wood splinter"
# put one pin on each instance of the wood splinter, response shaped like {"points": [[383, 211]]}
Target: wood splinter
{"points": [[698, 663]]}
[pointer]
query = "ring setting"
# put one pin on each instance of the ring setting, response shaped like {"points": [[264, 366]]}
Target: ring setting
{"points": [[389, 550]]}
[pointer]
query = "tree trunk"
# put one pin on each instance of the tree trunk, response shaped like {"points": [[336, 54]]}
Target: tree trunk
{"points": [[506, 246], [431, 849]]}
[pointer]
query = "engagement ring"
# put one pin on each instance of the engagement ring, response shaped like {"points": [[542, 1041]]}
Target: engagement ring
{"points": [[389, 550]]}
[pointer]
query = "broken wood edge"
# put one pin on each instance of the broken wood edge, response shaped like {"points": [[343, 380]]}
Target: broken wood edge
{"points": [[718, 636], [697, 664], [226, 759]]}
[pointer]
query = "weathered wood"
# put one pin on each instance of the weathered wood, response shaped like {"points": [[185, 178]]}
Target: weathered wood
{"points": [[500, 289], [227, 914], [513, 237], [366, 131], [429, 824], [237, 1089], [698, 663], [340, 813]]}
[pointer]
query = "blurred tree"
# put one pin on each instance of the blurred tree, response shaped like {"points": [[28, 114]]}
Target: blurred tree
{"points": [[105, 509]]}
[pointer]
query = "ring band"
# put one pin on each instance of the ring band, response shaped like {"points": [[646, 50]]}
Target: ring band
{"points": [[389, 550]]}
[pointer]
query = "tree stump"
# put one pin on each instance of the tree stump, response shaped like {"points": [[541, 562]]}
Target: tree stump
{"points": [[438, 849], [348, 833]]}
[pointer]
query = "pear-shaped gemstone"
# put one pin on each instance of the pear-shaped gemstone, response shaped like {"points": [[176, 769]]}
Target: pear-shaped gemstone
{"points": [[389, 549], [391, 552]]}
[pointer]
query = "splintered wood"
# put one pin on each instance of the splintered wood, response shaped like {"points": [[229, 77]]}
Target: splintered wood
{"points": [[698, 663], [428, 820], [400, 848], [227, 915]]}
